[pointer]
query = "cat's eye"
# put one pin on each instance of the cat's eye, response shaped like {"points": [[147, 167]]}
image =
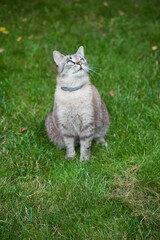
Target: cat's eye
{"points": [[70, 62], [82, 60]]}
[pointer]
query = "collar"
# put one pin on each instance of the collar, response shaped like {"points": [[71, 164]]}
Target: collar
{"points": [[71, 89]]}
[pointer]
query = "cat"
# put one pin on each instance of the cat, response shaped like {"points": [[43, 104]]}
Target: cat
{"points": [[79, 115]]}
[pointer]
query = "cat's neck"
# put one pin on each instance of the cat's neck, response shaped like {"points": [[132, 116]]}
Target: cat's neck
{"points": [[72, 82]]}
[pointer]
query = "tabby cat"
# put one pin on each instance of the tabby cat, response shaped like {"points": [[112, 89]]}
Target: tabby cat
{"points": [[79, 115]]}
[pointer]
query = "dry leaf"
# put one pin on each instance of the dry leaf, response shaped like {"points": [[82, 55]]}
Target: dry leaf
{"points": [[105, 4], [30, 37], [1, 50], [19, 39], [112, 93], [24, 20], [154, 48], [122, 13], [3, 30], [24, 129]]}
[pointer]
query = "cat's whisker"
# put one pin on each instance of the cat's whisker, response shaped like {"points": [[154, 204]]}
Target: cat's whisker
{"points": [[92, 66], [90, 69], [97, 69], [94, 71]]}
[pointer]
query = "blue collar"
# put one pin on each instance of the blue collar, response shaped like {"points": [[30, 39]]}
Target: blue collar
{"points": [[71, 89]]}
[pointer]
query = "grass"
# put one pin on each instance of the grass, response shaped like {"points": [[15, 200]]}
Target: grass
{"points": [[116, 194]]}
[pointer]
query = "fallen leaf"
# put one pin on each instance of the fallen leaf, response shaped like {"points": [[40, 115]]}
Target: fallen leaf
{"points": [[112, 93], [30, 37], [1, 50], [105, 4], [3, 30], [23, 129], [154, 48], [24, 20], [122, 13], [19, 39]]}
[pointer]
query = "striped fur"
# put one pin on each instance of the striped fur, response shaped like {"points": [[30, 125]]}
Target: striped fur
{"points": [[77, 116]]}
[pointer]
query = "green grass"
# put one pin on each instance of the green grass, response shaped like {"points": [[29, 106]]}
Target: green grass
{"points": [[116, 194]]}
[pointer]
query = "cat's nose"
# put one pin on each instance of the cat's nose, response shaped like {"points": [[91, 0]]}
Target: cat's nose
{"points": [[79, 63]]}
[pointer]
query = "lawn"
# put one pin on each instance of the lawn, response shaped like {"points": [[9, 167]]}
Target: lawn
{"points": [[116, 194]]}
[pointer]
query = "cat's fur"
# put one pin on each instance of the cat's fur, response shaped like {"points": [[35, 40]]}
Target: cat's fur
{"points": [[79, 115]]}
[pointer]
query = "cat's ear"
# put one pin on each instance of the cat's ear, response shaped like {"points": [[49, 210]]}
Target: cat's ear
{"points": [[57, 56], [81, 51]]}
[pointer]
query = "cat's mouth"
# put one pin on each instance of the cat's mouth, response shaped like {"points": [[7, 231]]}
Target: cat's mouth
{"points": [[79, 70]]}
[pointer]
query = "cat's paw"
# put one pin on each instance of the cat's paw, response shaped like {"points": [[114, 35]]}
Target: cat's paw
{"points": [[84, 158], [70, 156], [102, 141], [106, 144]]}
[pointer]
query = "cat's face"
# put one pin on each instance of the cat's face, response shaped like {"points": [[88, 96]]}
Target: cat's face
{"points": [[74, 65]]}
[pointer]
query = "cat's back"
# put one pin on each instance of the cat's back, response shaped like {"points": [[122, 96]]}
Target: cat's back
{"points": [[101, 114]]}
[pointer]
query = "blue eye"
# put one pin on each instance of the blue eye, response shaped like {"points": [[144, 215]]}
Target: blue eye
{"points": [[82, 60], [70, 62]]}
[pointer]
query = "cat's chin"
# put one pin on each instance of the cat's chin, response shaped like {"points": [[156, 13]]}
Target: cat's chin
{"points": [[80, 73]]}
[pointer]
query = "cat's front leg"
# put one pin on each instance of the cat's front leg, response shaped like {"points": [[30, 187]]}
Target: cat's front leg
{"points": [[69, 143], [86, 138]]}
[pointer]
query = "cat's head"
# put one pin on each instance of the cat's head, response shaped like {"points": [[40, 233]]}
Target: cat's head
{"points": [[73, 66]]}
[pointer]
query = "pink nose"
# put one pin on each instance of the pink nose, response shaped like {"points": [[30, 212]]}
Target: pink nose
{"points": [[79, 63]]}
